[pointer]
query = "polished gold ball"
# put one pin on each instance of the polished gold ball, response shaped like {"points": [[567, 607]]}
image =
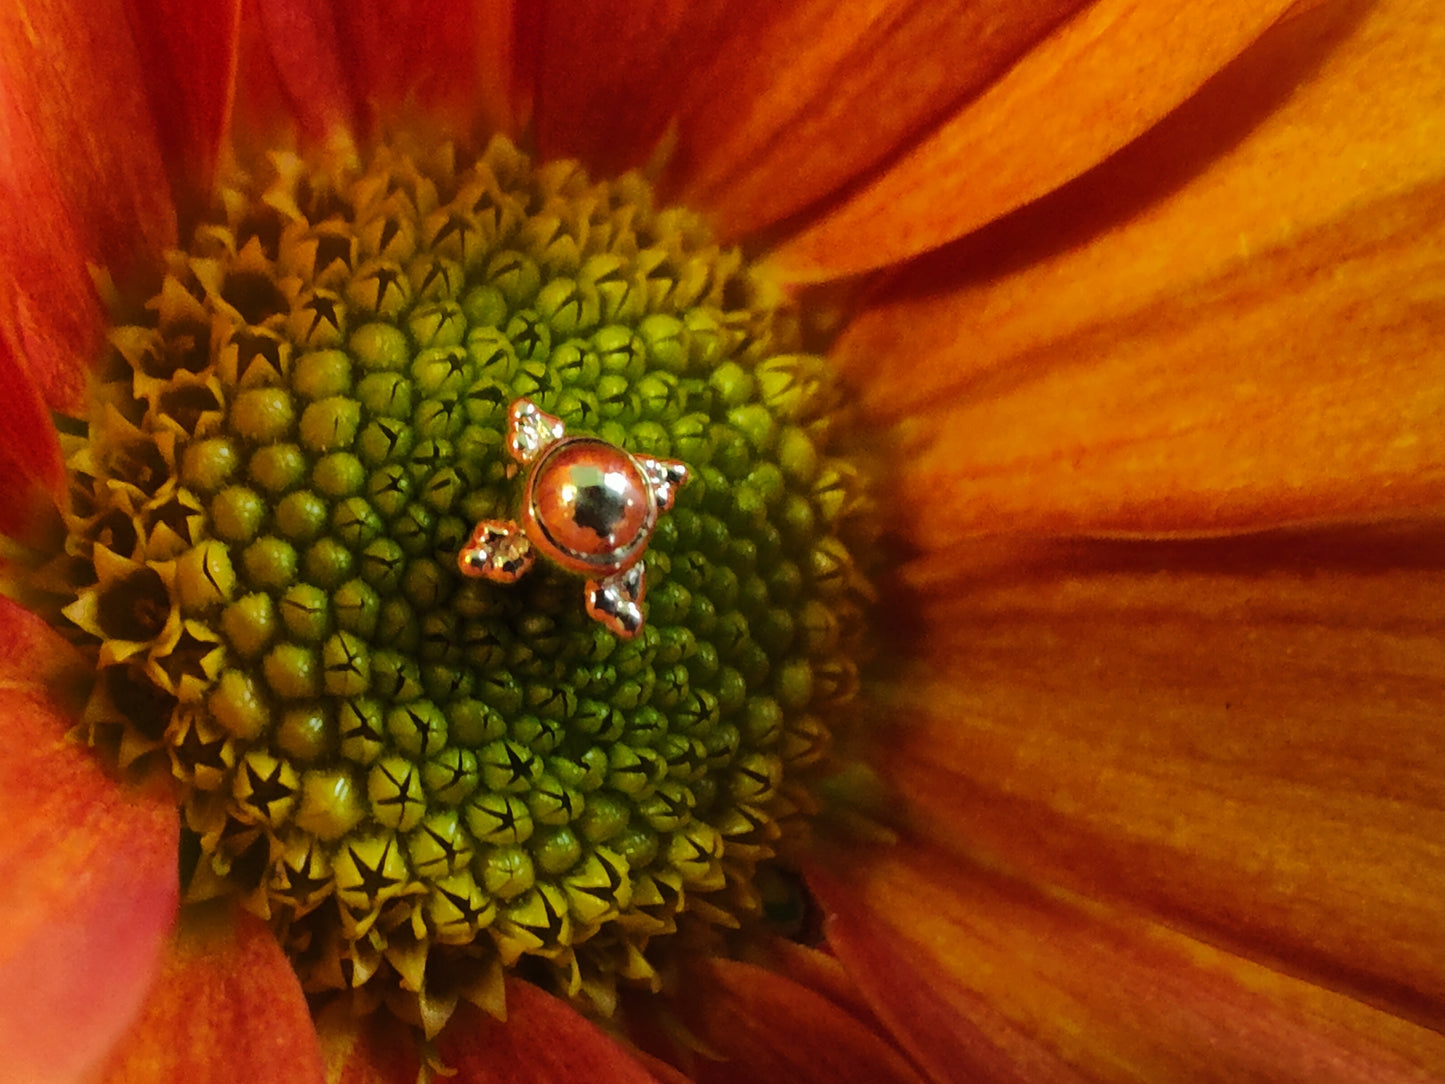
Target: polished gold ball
{"points": [[589, 506]]}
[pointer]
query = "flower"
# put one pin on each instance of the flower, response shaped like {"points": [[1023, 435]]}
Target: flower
{"points": [[1155, 354]]}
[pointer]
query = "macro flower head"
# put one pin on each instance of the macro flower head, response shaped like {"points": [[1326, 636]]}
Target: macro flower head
{"points": [[988, 626]]}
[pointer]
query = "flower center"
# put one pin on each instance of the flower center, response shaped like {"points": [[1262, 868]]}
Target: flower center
{"points": [[418, 777]]}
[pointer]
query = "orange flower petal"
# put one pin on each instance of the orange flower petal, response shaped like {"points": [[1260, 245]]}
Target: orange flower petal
{"points": [[1093, 85], [88, 883], [756, 1025], [1225, 326], [987, 978], [1241, 735], [543, 1041], [226, 1007], [82, 158], [776, 104], [188, 58]]}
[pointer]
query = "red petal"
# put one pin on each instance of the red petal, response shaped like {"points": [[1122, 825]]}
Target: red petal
{"points": [[819, 971], [1094, 84], [32, 655], [51, 321], [31, 473], [305, 44], [88, 882], [988, 978], [776, 104], [262, 113], [418, 51], [511, 53], [188, 56], [351, 66], [602, 83], [227, 1007], [81, 156], [74, 78], [1240, 735], [1231, 324], [542, 1042], [79, 152], [756, 1025], [377, 1049]]}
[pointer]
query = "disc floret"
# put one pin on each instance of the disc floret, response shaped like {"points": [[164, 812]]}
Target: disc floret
{"points": [[418, 777]]}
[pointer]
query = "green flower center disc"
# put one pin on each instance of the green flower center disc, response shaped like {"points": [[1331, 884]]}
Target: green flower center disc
{"points": [[420, 778]]}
